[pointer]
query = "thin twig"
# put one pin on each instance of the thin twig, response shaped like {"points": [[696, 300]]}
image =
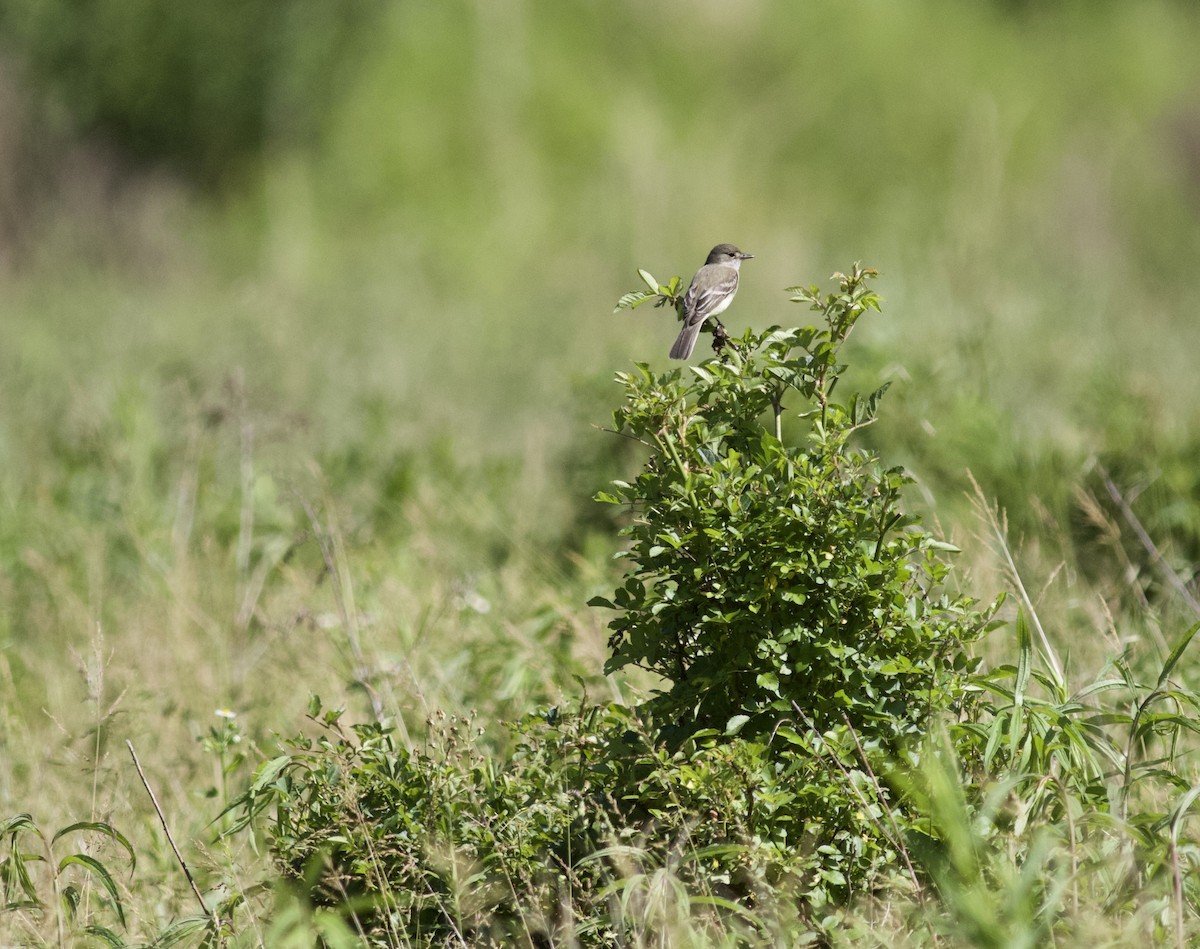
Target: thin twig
{"points": [[631, 437], [1156, 558], [171, 840]]}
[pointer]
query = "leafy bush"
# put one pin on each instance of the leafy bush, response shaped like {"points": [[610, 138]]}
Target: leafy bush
{"points": [[777, 586], [772, 580], [439, 843], [802, 629]]}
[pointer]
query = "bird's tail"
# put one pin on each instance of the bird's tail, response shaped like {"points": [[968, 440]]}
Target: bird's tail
{"points": [[686, 341]]}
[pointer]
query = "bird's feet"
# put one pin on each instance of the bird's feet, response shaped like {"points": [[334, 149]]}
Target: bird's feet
{"points": [[720, 337]]}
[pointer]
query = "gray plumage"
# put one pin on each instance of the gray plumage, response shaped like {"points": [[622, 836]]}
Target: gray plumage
{"points": [[710, 293]]}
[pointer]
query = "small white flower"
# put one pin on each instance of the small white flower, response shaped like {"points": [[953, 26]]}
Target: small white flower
{"points": [[473, 601], [225, 713]]}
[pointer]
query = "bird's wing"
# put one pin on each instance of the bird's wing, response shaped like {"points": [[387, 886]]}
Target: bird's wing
{"points": [[703, 296]]}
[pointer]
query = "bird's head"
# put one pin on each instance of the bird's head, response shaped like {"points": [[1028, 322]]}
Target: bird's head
{"points": [[726, 254]]}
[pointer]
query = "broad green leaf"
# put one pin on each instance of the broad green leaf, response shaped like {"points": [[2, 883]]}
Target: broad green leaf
{"points": [[634, 299], [735, 724], [769, 681], [100, 872]]}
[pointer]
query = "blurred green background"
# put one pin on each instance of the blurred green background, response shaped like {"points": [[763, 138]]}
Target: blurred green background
{"points": [[433, 205], [257, 254]]}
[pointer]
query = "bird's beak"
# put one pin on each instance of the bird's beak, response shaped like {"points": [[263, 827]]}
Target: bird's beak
{"points": [[745, 256]]}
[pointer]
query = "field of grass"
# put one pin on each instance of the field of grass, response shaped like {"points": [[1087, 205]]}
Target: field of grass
{"points": [[333, 427]]}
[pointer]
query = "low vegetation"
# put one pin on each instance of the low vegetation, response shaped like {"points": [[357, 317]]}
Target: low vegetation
{"points": [[811, 752]]}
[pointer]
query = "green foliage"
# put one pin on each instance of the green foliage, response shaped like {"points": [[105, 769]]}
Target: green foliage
{"points": [[768, 575], [38, 880], [1047, 800], [438, 843], [222, 742], [670, 294], [802, 624], [591, 827], [988, 898], [777, 587]]}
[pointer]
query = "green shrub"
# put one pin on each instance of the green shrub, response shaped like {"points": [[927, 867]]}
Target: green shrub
{"points": [[770, 579], [779, 590], [440, 843], [804, 636]]}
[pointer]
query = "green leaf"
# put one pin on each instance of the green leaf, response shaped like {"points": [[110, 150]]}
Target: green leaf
{"points": [[1179, 812], [100, 827], [735, 724], [107, 936], [98, 870], [182, 929], [1102, 685], [1024, 656], [18, 823], [769, 681], [70, 898], [648, 280], [634, 299], [269, 771], [1176, 654]]}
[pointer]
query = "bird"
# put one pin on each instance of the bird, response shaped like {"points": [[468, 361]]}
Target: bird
{"points": [[710, 292]]}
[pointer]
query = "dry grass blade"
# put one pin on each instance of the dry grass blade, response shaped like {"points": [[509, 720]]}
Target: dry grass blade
{"points": [[170, 839]]}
